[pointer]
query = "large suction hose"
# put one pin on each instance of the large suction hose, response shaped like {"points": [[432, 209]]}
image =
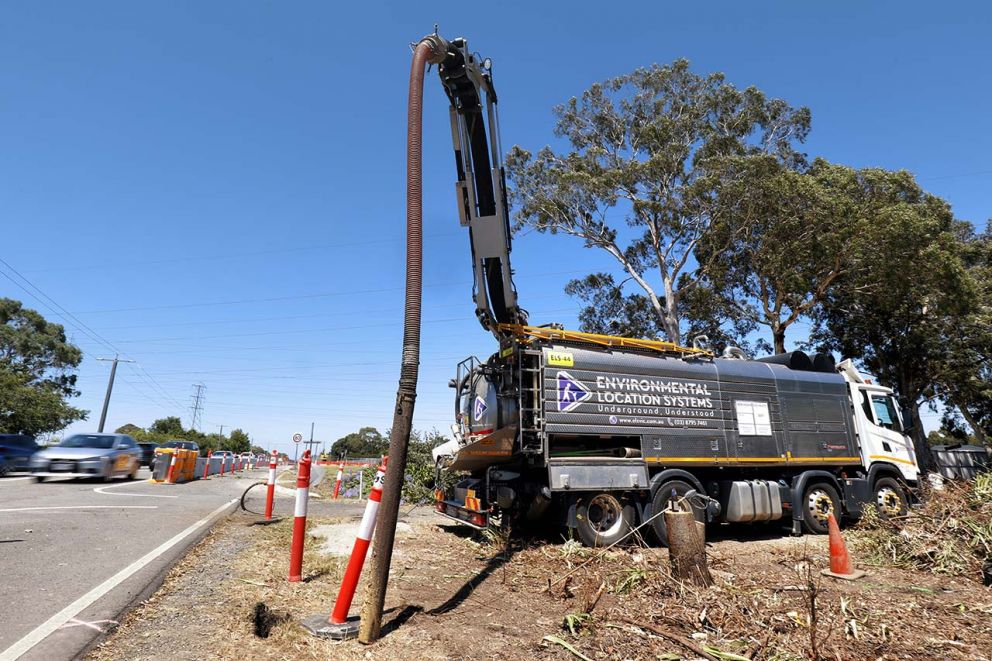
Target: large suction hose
{"points": [[430, 49]]}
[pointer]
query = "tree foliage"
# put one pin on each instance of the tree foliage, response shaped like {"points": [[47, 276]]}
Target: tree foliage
{"points": [[37, 372], [237, 442], [366, 442], [648, 151], [896, 312]]}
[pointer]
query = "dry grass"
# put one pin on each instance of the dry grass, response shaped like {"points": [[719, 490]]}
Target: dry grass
{"points": [[950, 534]]}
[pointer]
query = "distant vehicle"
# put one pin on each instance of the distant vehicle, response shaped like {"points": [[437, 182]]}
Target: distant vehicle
{"points": [[105, 456], [224, 455], [183, 445], [16, 449], [148, 452]]}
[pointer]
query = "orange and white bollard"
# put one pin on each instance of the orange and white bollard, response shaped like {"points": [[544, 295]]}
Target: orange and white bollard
{"points": [[337, 625], [170, 478], [300, 520], [337, 483], [206, 469], [270, 496]]}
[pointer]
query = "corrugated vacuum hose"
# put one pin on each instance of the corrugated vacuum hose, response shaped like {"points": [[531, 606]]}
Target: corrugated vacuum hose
{"points": [[430, 49]]}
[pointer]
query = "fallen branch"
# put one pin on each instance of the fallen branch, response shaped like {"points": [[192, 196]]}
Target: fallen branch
{"points": [[671, 637]]}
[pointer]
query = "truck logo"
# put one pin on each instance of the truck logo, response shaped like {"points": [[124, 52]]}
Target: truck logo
{"points": [[571, 392], [480, 408]]}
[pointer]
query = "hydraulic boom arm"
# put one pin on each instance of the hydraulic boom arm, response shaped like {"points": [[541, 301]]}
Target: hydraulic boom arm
{"points": [[481, 183]]}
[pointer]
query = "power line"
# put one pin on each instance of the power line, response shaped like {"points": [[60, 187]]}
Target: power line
{"points": [[61, 312]]}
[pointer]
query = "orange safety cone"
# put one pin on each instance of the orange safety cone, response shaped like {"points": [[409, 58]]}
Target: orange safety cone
{"points": [[840, 560]]}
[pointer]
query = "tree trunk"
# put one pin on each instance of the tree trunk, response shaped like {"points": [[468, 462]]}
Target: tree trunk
{"points": [[976, 429], [920, 445], [778, 337], [687, 548]]}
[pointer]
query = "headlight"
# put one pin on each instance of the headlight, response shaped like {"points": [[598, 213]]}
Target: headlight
{"points": [[39, 461]]}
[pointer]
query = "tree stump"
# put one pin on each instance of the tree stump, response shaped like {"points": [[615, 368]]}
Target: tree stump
{"points": [[687, 548]]}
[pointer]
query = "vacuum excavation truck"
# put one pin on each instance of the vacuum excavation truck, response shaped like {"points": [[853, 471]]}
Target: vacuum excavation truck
{"points": [[605, 431]]}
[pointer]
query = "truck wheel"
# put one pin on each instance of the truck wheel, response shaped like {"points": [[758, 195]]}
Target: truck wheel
{"points": [[819, 501], [603, 519], [890, 499], [660, 502]]}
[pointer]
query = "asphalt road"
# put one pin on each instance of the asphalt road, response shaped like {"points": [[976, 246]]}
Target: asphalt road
{"points": [[74, 554]]}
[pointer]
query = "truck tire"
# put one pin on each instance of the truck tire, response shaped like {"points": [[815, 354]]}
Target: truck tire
{"points": [[603, 519], [890, 498], [660, 502], [819, 500]]}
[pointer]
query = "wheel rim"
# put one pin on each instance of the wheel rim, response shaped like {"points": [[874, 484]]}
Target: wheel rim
{"points": [[888, 501], [605, 514], [820, 505]]}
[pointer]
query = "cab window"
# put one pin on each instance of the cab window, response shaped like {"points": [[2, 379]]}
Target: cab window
{"points": [[885, 412]]}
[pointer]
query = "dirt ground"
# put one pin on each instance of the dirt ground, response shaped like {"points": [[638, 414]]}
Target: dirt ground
{"points": [[455, 594]]}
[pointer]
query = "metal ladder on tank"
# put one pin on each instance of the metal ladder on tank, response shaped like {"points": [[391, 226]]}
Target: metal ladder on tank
{"points": [[531, 417]]}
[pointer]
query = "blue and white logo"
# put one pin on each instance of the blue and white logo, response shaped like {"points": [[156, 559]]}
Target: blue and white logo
{"points": [[614, 420], [571, 392], [480, 408]]}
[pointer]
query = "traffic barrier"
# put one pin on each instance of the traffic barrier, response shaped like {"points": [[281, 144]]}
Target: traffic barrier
{"points": [[206, 464], [840, 560], [300, 520], [337, 483], [337, 625], [270, 496]]}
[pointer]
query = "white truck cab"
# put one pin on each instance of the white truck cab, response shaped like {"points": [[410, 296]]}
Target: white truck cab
{"points": [[879, 425]]}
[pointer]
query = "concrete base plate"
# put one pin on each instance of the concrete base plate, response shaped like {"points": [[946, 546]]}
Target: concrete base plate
{"points": [[857, 573], [318, 626]]}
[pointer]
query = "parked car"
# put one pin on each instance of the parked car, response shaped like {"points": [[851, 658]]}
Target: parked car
{"points": [[184, 445], [104, 456], [225, 455], [147, 452], [16, 450]]}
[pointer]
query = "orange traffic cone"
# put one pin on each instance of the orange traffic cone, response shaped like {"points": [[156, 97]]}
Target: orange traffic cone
{"points": [[840, 561]]}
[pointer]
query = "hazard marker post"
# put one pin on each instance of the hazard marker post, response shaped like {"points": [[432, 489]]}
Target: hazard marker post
{"points": [[337, 483], [172, 469], [339, 626], [300, 520], [271, 485], [206, 469]]}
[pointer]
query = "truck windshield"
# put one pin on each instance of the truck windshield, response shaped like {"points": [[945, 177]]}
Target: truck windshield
{"points": [[885, 412]]}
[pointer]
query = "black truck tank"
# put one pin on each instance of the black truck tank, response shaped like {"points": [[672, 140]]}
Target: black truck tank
{"points": [[699, 411]]}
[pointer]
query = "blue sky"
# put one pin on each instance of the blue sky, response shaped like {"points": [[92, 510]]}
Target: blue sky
{"points": [[216, 189]]}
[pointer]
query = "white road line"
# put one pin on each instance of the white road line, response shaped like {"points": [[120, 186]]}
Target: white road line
{"points": [[75, 608], [127, 484], [84, 507]]}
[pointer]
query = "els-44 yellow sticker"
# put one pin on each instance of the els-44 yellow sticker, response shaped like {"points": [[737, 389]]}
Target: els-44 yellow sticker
{"points": [[561, 359]]}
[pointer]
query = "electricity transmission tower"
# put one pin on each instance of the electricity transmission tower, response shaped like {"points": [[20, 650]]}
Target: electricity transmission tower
{"points": [[197, 407]]}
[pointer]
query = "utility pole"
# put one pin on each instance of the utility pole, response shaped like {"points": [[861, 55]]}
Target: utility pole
{"points": [[312, 442], [221, 430], [110, 387], [197, 405]]}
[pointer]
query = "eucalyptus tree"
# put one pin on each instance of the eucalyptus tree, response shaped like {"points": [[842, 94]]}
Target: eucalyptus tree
{"points": [[646, 154]]}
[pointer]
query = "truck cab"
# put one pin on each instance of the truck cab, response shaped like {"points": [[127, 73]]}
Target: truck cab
{"points": [[886, 449]]}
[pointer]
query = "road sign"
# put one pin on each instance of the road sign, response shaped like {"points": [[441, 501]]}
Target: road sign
{"points": [[297, 438]]}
